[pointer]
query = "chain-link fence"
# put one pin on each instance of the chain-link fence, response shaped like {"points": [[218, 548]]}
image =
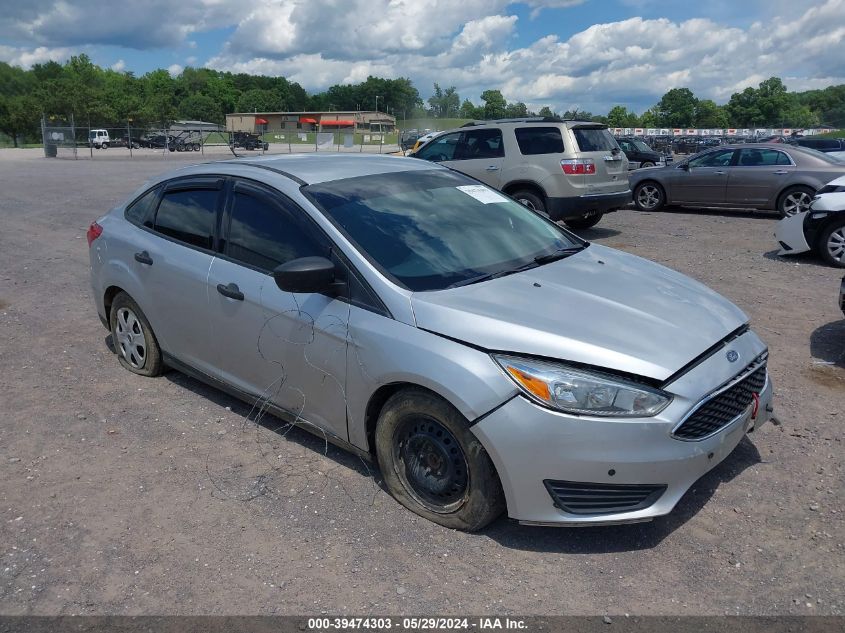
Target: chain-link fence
{"points": [[65, 138]]}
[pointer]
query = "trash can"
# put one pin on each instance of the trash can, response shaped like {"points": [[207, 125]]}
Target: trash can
{"points": [[51, 150]]}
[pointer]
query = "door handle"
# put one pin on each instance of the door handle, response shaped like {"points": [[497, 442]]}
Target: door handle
{"points": [[720, 173], [780, 173], [231, 291], [144, 258], [492, 168]]}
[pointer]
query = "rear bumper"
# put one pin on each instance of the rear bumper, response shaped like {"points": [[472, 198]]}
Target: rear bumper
{"points": [[562, 208]]}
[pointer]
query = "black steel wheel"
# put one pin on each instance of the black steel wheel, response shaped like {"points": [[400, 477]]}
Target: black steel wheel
{"points": [[430, 463], [433, 464]]}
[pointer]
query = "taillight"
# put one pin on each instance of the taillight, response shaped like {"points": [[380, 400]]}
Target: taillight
{"points": [[94, 231], [578, 166]]}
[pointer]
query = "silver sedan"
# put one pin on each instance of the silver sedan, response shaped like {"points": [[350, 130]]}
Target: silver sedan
{"points": [[486, 358], [771, 176]]}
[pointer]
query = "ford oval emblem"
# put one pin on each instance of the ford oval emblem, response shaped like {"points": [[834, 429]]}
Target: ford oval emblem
{"points": [[732, 356]]}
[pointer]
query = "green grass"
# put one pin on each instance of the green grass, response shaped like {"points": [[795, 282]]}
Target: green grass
{"points": [[430, 124]]}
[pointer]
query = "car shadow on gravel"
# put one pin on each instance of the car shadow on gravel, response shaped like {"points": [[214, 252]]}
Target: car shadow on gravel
{"points": [[298, 435], [808, 258], [624, 538], [751, 214], [827, 343], [595, 233]]}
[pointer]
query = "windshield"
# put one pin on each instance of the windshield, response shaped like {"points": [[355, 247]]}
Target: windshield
{"points": [[432, 229], [640, 145]]}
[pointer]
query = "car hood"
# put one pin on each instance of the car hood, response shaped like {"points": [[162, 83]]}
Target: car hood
{"points": [[600, 307]]}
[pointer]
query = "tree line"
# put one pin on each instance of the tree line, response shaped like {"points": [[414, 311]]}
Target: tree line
{"points": [[102, 97]]}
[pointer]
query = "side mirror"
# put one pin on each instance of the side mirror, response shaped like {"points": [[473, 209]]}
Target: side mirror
{"points": [[307, 274], [684, 166]]}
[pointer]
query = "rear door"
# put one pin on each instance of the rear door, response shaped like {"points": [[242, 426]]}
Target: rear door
{"points": [[706, 179], [172, 261], [284, 348], [594, 141], [757, 175]]}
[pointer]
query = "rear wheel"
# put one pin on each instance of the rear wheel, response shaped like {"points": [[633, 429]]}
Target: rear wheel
{"points": [[795, 200], [136, 345], [649, 196], [433, 464], [831, 244], [530, 199], [584, 222]]}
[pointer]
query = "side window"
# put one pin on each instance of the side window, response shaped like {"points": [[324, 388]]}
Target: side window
{"points": [[539, 140], [719, 158], [188, 216], [441, 148], [142, 208], [762, 158], [265, 235], [480, 144]]}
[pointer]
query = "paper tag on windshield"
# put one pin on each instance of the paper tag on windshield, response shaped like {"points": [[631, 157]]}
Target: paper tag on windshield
{"points": [[482, 194]]}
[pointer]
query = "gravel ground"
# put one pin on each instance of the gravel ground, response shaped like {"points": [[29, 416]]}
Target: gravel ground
{"points": [[125, 495]]}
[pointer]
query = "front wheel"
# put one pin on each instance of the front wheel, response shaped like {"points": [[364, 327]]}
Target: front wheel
{"points": [[133, 338], [831, 244], [795, 200], [584, 222], [646, 163], [649, 196], [433, 464]]}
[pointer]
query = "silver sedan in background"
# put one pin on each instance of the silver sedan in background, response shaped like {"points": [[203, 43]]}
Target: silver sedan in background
{"points": [[770, 176], [485, 357]]}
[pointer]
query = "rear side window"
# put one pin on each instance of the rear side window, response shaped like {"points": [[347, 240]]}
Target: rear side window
{"points": [[188, 216], [762, 158], [142, 208], [539, 140], [264, 235], [594, 139]]}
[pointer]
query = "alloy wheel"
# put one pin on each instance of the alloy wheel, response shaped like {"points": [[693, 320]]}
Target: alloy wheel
{"points": [[648, 197], [796, 202], [131, 339], [836, 244]]}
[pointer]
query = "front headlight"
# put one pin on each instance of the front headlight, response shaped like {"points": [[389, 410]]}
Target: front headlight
{"points": [[582, 392]]}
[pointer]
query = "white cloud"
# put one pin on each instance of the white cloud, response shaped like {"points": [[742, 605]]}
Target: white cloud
{"points": [[119, 65], [175, 69], [27, 57], [466, 43]]}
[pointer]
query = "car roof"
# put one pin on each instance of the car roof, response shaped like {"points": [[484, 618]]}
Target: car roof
{"points": [[314, 168]]}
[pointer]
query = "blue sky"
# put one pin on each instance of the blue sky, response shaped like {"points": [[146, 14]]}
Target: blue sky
{"points": [[563, 53]]}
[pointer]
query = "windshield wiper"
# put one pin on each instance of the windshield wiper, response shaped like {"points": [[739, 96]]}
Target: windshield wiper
{"points": [[497, 274], [558, 254]]}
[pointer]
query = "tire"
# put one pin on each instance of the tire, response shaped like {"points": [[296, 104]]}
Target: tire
{"points": [[464, 493], [527, 198], [646, 163], [831, 244], [105, 145], [134, 341], [649, 196], [195, 147], [584, 222], [795, 200]]}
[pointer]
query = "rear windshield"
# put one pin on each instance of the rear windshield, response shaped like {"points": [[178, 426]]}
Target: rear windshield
{"points": [[539, 140], [594, 139]]}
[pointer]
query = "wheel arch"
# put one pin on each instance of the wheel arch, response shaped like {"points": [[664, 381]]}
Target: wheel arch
{"points": [[517, 185], [795, 185]]}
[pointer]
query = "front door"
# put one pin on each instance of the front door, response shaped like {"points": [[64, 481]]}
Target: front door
{"points": [[284, 348], [706, 179]]}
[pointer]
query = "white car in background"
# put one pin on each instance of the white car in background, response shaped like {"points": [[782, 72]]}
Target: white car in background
{"points": [[821, 229]]}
